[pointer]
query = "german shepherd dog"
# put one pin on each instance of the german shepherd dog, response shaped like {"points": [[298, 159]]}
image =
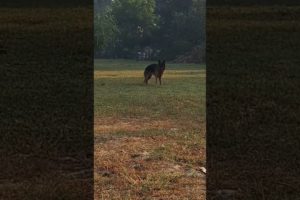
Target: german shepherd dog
{"points": [[155, 69]]}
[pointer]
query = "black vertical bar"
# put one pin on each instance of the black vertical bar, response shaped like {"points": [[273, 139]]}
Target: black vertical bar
{"points": [[46, 100], [253, 100]]}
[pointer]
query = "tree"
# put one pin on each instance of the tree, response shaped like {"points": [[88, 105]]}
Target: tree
{"points": [[181, 26], [100, 5], [173, 27], [105, 32], [136, 21]]}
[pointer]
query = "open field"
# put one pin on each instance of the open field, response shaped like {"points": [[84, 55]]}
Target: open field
{"points": [[149, 140]]}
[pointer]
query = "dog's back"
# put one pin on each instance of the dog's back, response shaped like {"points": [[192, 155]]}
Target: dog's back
{"points": [[153, 69]]}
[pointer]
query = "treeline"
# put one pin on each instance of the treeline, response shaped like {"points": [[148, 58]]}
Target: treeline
{"points": [[153, 28]]}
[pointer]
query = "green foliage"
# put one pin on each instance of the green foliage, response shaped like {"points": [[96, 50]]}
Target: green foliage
{"points": [[136, 21], [173, 27], [106, 30], [181, 26]]}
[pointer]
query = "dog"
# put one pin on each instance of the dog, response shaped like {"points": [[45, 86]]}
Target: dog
{"points": [[154, 69]]}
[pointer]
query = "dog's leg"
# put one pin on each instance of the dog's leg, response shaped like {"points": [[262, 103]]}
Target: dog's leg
{"points": [[155, 80], [147, 77], [159, 80]]}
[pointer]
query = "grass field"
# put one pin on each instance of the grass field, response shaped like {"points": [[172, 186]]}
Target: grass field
{"points": [[149, 140]]}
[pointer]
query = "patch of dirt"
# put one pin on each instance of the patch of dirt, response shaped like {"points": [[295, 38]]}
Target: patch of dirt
{"points": [[111, 125]]}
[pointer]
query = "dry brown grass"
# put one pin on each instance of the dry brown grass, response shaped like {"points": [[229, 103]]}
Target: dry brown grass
{"points": [[110, 124], [137, 74], [146, 166]]}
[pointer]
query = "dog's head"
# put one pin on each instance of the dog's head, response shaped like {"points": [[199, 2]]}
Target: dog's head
{"points": [[162, 65]]}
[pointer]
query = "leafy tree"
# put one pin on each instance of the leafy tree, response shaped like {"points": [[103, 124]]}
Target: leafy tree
{"points": [[105, 32], [174, 27], [136, 21], [100, 5], [181, 26]]}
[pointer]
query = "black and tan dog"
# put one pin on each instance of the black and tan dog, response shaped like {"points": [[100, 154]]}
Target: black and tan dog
{"points": [[155, 69]]}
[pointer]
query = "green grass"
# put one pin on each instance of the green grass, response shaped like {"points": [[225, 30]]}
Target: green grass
{"points": [[120, 91]]}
